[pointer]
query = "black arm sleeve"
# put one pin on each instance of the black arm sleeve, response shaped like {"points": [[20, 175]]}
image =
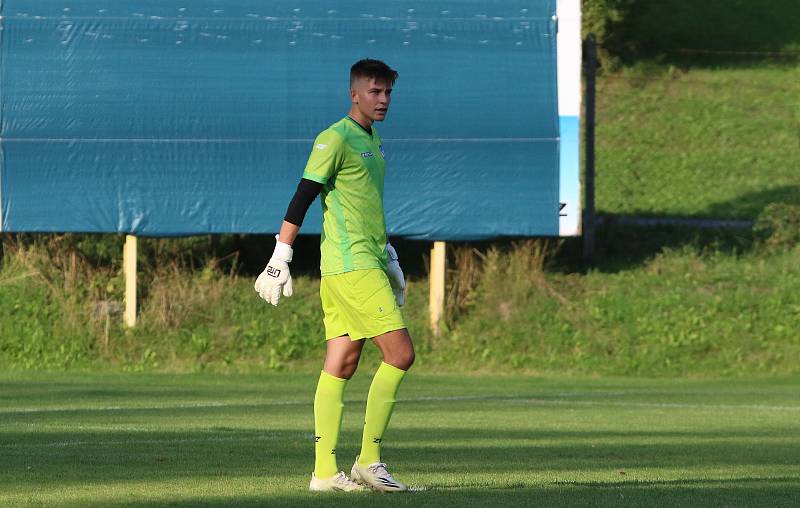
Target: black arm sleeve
{"points": [[307, 192]]}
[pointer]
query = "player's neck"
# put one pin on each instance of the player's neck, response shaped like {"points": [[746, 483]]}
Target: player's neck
{"points": [[361, 119]]}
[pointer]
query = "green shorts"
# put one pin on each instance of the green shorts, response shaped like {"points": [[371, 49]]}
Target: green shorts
{"points": [[359, 304]]}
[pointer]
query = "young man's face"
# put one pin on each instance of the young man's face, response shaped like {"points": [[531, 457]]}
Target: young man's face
{"points": [[371, 98]]}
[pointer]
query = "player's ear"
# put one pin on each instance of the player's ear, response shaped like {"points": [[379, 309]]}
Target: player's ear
{"points": [[353, 95]]}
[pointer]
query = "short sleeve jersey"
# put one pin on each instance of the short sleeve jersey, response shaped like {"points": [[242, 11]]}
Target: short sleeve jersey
{"points": [[348, 161]]}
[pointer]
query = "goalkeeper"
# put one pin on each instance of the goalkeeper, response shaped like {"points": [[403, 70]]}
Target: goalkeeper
{"points": [[362, 285]]}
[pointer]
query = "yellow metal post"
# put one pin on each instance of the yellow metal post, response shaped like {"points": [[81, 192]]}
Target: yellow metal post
{"points": [[129, 270], [436, 280]]}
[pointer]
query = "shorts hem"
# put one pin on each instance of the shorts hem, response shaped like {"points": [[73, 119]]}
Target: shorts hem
{"points": [[369, 335]]}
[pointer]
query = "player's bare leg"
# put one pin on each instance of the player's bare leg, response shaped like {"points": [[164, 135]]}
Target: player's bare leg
{"points": [[397, 349], [342, 355], [398, 356]]}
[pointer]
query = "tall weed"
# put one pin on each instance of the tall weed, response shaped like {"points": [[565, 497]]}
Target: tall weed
{"points": [[511, 270]]}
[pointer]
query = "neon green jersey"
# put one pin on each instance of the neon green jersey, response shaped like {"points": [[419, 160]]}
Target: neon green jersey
{"points": [[348, 161]]}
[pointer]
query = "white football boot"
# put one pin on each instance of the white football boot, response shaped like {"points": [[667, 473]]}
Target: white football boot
{"points": [[376, 477], [339, 481]]}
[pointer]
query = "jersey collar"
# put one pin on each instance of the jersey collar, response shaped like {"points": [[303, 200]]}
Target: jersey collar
{"points": [[368, 131]]}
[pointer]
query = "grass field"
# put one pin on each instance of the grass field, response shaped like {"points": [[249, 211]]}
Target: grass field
{"points": [[72, 439], [716, 142]]}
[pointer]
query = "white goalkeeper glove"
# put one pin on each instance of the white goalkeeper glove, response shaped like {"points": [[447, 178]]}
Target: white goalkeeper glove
{"points": [[276, 279], [396, 277]]}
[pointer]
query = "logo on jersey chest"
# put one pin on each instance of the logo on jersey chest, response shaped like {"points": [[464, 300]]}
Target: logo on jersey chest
{"points": [[370, 154]]}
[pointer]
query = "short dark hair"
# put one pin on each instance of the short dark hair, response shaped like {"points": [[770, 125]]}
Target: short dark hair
{"points": [[369, 68]]}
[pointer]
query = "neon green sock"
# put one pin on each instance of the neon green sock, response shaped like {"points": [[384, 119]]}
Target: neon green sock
{"points": [[328, 407], [380, 403]]}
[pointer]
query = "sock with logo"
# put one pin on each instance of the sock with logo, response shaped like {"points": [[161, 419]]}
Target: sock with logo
{"points": [[328, 407], [380, 403]]}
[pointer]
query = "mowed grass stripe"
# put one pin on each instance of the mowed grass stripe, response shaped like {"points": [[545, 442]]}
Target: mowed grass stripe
{"points": [[515, 441], [509, 398]]}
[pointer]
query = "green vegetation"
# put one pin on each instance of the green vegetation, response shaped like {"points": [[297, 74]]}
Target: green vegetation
{"points": [[164, 440], [716, 143], [778, 226], [684, 311], [672, 31]]}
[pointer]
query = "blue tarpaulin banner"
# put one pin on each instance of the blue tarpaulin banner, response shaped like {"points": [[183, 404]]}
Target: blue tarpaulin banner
{"points": [[172, 117]]}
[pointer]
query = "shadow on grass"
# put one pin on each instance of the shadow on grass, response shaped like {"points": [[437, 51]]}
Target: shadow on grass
{"points": [[620, 246], [99, 458], [749, 206], [727, 33]]}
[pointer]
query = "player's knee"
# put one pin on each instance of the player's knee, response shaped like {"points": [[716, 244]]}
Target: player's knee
{"points": [[402, 360], [347, 373], [410, 359], [349, 367], [344, 368]]}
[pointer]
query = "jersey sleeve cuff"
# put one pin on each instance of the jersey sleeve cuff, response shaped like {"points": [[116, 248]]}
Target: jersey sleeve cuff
{"points": [[315, 178]]}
